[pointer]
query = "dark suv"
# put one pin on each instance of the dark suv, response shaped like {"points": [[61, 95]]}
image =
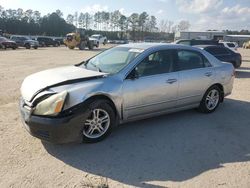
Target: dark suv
{"points": [[194, 42], [25, 42], [47, 41]]}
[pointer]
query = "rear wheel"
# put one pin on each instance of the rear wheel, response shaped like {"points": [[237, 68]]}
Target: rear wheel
{"points": [[71, 47], [99, 122], [211, 100]]}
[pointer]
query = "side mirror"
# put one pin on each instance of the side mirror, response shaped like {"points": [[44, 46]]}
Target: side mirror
{"points": [[133, 74]]}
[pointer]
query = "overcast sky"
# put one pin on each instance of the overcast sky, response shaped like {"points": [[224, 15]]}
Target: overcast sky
{"points": [[202, 14]]}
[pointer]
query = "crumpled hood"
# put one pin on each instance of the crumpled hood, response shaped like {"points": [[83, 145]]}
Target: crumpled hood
{"points": [[44, 79]]}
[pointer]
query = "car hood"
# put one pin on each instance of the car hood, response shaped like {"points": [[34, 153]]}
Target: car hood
{"points": [[91, 38], [35, 83]]}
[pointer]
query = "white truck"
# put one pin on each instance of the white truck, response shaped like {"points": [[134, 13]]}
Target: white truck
{"points": [[100, 39]]}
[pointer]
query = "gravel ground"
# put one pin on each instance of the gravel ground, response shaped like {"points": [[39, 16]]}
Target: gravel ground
{"points": [[185, 149]]}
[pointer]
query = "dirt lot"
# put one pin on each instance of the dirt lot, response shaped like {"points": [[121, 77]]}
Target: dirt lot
{"points": [[185, 149]]}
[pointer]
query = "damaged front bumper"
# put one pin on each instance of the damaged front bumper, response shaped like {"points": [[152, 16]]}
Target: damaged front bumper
{"points": [[52, 129]]}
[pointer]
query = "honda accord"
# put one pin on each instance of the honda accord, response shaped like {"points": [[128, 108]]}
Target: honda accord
{"points": [[125, 83]]}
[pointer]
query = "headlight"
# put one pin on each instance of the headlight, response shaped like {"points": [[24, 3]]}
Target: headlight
{"points": [[52, 105]]}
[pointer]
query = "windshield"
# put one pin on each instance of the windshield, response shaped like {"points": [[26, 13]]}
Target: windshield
{"points": [[95, 36], [112, 60]]}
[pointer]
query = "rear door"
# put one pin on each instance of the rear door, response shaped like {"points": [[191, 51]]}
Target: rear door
{"points": [[195, 76]]}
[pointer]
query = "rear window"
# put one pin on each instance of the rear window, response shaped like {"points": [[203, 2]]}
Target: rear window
{"points": [[204, 42], [185, 42], [218, 51]]}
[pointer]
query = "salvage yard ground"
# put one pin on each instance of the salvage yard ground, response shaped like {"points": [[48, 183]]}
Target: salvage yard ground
{"points": [[185, 149]]}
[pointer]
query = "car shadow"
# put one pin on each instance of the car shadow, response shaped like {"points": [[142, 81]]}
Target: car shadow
{"points": [[243, 68], [174, 147], [242, 73]]}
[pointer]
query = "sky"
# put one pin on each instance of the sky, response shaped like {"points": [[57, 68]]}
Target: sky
{"points": [[202, 14]]}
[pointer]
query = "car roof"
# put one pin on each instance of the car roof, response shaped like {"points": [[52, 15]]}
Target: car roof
{"points": [[146, 45]]}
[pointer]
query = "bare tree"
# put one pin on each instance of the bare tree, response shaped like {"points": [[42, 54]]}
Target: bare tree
{"points": [[166, 26], [183, 25]]}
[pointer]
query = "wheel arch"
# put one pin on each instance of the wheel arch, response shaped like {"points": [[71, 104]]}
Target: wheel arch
{"points": [[220, 86], [104, 97]]}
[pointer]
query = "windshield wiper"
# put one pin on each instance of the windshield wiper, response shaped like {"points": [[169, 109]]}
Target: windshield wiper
{"points": [[98, 68]]}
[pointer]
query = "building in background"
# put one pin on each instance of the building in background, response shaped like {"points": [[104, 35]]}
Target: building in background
{"points": [[203, 35]]}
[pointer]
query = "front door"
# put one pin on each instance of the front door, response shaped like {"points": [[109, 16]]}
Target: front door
{"points": [[155, 87]]}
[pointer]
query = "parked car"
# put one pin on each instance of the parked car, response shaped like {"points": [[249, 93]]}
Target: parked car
{"points": [[224, 54], [101, 39], [60, 40], [47, 41], [23, 41], [6, 43], [230, 45], [194, 42], [125, 83]]}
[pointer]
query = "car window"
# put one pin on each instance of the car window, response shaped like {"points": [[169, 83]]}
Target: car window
{"points": [[204, 42], [185, 42], [190, 60], [113, 60], [231, 45], [218, 51], [157, 63]]}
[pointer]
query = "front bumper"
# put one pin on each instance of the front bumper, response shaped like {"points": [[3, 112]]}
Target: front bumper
{"points": [[52, 129]]}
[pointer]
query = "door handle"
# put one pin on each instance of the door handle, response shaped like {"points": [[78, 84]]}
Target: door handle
{"points": [[208, 74], [171, 81]]}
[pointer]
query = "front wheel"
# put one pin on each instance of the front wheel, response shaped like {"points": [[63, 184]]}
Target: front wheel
{"points": [[211, 100], [99, 122]]}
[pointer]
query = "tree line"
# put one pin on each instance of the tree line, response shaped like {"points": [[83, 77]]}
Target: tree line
{"points": [[114, 24]]}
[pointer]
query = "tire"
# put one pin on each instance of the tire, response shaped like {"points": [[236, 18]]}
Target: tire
{"points": [[82, 45], [97, 45], [105, 42], [27, 46], [209, 107], [14, 48], [71, 47], [35, 47], [105, 110], [91, 46]]}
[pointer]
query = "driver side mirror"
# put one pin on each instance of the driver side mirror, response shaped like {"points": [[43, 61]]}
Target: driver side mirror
{"points": [[133, 74]]}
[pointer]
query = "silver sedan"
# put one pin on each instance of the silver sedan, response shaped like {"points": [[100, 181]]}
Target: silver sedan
{"points": [[125, 83]]}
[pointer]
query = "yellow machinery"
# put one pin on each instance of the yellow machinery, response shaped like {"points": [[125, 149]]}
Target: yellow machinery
{"points": [[246, 45], [78, 39]]}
